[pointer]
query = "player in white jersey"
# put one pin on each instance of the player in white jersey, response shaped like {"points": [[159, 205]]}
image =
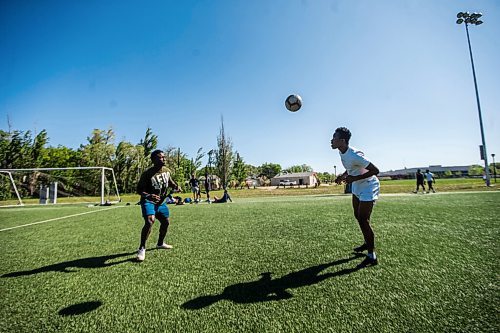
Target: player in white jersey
{"points": [[361, 173]]}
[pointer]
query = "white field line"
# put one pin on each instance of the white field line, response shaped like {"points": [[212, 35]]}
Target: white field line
{"points": [[59, 218]]}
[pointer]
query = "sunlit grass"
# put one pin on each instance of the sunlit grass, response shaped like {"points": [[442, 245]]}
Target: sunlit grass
{"points": [[274, 264]]}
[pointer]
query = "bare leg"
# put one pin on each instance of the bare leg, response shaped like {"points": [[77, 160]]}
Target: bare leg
{"points": [[165, 222], [146, 230], [362, 213]]}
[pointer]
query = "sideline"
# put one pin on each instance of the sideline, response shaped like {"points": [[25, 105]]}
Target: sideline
{"points": [[59, 218]]}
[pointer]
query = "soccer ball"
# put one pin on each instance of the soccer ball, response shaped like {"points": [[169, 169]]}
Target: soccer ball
{"points": [[293, 103]]}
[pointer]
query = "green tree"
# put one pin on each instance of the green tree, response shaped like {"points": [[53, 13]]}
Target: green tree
{"points": [[149, 143], [18, 150], [239, 171], [324, 177], [223, 155], [269, 170], [60, 157], [252, 170], [195, 163], [99, 152], [38, 148], [476, 170], [179, 165], [128, 165], [4, 146], [299, 168], [15, 147]]}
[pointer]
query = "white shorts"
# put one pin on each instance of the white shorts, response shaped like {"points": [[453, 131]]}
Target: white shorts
{"points": [[366, 189]]}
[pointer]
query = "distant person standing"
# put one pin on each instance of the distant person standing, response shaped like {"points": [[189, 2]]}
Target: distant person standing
{"points": [[430, 180], [153, 187], [361, 173], [207, 186], [195, 188], [420, 181]]}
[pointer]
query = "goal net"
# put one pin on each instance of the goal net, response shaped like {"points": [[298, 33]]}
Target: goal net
{"points": [[96, 185]]}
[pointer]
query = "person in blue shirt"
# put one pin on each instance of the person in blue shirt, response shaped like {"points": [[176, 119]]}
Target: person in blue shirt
{"points": [[430, 179]]}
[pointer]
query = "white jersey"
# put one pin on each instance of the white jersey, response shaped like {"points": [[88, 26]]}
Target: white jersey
{"points": [[355, 163], [429, 176]]}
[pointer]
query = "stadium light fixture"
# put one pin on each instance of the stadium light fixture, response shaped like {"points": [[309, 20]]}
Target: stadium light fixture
{"points": [[467, 18]]}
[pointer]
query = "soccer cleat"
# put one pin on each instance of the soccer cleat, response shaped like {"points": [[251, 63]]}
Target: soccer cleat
{"points": [[368, 262], [164, 246], [141, 254], [361, 248]]}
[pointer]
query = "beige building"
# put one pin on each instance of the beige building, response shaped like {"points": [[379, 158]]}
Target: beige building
{"points": [[298, 178]]}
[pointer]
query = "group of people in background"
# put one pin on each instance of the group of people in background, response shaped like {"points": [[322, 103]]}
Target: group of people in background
{"points": [[421, 178], [195, 189]]}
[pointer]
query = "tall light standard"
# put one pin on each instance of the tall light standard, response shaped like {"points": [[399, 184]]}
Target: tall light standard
{"points": [[494, 168], [467, 18]]}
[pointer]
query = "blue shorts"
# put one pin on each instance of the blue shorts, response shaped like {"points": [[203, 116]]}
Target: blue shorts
{"points": [[149, 208]]}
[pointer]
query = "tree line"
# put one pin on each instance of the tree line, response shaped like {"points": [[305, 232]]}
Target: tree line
{"points": [[23, 149]]}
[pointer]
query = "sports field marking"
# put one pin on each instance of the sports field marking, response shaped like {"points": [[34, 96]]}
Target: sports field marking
{"points": [[59, 218]]}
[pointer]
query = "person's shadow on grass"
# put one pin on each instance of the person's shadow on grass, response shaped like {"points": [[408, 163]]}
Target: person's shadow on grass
{"points": [[70, 266], [267, 289]]}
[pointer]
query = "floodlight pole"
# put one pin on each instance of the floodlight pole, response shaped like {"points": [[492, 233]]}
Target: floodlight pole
{"points": [[473, 19]]}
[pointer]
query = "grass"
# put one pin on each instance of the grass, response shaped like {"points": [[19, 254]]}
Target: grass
{"points": [[261, 264]]}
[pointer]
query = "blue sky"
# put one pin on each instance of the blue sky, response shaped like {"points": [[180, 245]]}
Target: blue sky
{"points": [[397, 73]]}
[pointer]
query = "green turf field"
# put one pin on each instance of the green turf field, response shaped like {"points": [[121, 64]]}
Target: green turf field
{"points": [[260, 264]]}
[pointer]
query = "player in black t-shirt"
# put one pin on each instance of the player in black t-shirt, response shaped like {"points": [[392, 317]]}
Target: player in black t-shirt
{"points": [[153, 187]]}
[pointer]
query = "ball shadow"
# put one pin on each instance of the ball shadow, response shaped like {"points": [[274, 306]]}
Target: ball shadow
{"points": [[79, 308]]}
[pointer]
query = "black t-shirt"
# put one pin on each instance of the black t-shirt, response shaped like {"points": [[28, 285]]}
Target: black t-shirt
{"points": [[193, 182], [154, 182], [420, 177]]}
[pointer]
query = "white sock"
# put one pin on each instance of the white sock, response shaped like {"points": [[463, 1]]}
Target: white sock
{"points": [[372, 255]]}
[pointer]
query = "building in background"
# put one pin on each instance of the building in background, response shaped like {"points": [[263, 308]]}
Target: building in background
{"points": [[438, 171]]}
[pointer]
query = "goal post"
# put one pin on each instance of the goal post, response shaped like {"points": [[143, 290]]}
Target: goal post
{"points": [[90, 183], [13, 185]]}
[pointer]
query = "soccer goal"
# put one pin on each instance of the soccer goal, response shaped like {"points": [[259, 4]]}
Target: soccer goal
{"points": [[96, 185]]}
